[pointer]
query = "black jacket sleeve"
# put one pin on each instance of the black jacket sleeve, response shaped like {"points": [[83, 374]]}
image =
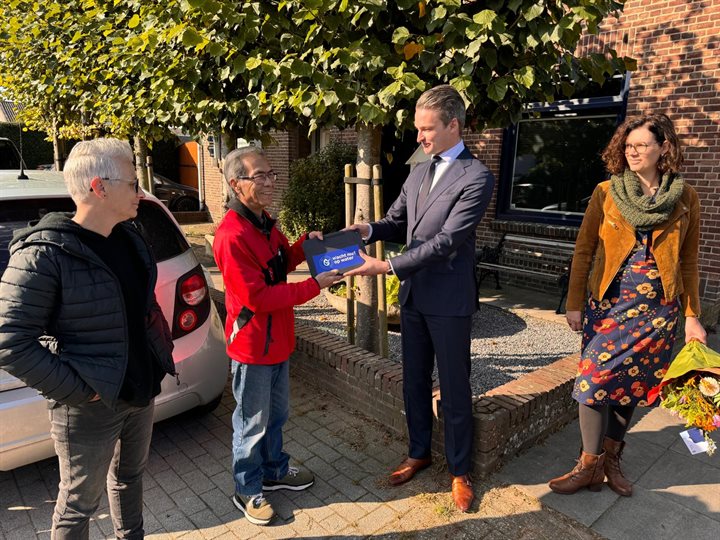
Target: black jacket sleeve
{"points": [[29, 291]]}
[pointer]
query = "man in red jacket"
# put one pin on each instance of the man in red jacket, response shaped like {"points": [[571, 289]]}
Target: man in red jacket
{"points": [[254, 258]]}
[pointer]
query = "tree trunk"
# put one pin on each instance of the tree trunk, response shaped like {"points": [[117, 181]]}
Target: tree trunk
{"points": [[224, 144], [58, 148], [141, 151], [367, 322]]}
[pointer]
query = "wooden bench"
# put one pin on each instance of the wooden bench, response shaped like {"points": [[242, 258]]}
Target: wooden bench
{"points": [[527, 256]]}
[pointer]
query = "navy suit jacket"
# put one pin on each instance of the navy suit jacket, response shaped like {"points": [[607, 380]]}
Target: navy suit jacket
{"points": [[438, 266]]}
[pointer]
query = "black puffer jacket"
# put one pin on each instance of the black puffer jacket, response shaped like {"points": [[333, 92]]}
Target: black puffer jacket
{"points": [[63, 329]]}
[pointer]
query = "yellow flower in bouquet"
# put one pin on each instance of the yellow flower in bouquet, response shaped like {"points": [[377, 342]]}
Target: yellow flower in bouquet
{"points": [[691, 388]]}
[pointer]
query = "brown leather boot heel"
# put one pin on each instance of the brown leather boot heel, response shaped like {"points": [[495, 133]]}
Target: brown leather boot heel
{"points": [[615, 478]]}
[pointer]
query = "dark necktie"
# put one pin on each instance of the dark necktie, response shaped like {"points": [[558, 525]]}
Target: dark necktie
{"points": [[427, 182]]}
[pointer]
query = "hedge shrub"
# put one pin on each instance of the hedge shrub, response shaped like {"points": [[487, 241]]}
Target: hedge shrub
{"points": [[315, 197], [37, 150]]}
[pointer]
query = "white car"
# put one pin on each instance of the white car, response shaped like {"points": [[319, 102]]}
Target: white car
{"points": [[182, 292]]}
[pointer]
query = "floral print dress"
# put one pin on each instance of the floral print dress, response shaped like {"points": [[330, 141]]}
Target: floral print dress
{"points": [[628, 336]]}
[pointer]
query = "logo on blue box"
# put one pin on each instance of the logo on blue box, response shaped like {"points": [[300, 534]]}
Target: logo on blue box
{"points": [[337, 259]]}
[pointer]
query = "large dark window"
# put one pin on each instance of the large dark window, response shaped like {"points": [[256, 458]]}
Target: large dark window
{"points": [[551, 158]]}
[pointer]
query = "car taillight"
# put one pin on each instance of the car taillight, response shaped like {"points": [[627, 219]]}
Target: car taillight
{"points": [[187, 320], [193, 290], [192, 302]]}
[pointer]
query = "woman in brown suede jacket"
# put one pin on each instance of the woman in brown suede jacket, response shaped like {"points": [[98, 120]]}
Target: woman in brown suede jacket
{"points": [[635, 268]]}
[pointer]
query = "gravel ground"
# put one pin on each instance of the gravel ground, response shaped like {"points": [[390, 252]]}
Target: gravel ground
{"points": [[504, 345]]}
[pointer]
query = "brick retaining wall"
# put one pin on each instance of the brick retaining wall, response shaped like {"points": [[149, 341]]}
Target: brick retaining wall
{"points": [[508, 418]]}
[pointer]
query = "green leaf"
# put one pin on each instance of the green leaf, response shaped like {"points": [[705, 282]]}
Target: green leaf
{"points": [[525, 76], [401, 116], [238, 65], [474, 47], [497, 90], [215, 49], [400, 35], [191, 38], [330, 99], [413, 82], [369, 113], [534, 11], [253, 63], [124, 60], [311, 32], [461, 83], [439, 14], [489, 55], [630, 63], [175, 30], [485, 18], [513, 5], [300, 68]]}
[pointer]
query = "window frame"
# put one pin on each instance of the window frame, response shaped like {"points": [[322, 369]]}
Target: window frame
{"points": [[616, 103]]}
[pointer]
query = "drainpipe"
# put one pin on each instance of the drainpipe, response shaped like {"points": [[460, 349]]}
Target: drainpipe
{"points": [[201, 183]]}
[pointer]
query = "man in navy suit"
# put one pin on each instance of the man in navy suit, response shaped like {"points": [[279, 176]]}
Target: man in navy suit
{"points": [[438, 210]]}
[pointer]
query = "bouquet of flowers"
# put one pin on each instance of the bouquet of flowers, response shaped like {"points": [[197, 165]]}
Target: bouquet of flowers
{"points": [[691, 388]]}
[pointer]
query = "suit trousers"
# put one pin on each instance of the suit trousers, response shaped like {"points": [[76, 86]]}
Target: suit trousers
{"points": [[98, 446], [425, 337]]}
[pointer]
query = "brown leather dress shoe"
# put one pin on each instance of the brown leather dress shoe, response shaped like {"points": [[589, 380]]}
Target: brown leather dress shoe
{"points": [[462, 492], [407, 469]]}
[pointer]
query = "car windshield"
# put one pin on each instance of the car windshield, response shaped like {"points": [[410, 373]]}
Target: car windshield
{"points": [[165, 239]]}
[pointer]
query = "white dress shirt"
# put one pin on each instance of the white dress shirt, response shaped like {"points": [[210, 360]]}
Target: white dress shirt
{"points": [[446, 157]]}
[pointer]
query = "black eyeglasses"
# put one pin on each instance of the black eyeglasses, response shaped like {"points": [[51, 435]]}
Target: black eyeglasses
{"points": [[261, 177], [134, 183]]}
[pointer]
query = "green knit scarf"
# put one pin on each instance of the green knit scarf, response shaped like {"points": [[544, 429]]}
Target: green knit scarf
{"points": [[642, 211]]}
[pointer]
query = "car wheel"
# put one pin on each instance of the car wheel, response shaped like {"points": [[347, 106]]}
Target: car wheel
{"points": [[186, 204], [202, 410]]}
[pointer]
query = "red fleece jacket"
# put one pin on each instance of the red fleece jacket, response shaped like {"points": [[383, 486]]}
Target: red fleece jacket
{"points": [[260, 325]]}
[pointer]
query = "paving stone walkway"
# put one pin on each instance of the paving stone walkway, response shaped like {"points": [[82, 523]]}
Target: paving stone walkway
{"points": [[188, 487]]}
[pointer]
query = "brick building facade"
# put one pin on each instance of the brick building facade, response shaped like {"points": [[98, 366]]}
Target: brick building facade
{"points": [[677, 46]]}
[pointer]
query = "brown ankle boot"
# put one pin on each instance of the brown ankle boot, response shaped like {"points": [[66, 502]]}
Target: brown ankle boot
{"points": [[615, 479], [588, 473]]}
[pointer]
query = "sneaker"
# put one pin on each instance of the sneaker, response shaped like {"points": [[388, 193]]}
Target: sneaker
{"points": [[294, 480], [255, 507]]}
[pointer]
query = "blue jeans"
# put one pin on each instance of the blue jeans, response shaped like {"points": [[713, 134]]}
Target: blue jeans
{"points": [[97, 446], [262, 396]]}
